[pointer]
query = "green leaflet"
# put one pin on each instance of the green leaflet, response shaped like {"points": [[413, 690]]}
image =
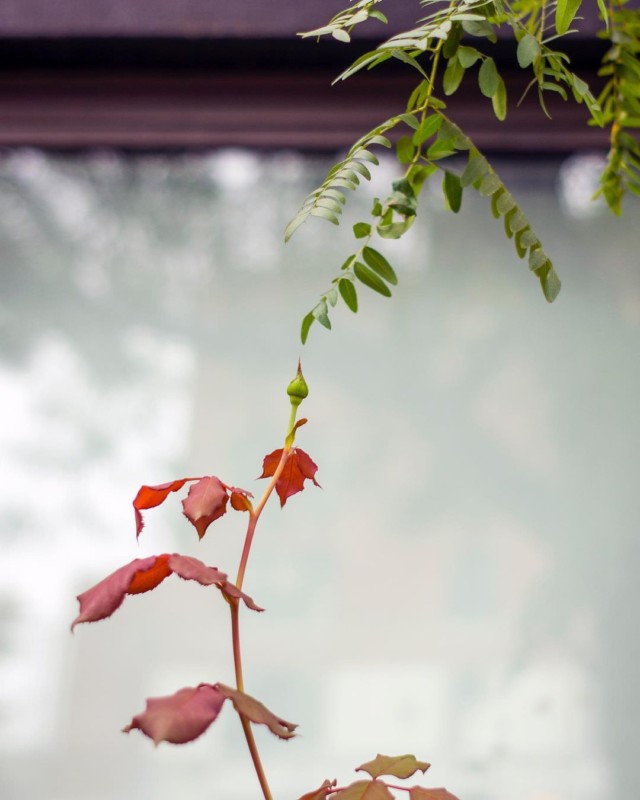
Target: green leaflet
{"points": [[418, 175], [477, 167], [361, 230], [499, 101], [453, 76], [341, 35], [566, 11], [452, 188], [467, 56], [307, 322], [427, 128], [348, 293], [379, 264], [394, 230], [528, 50], [367, 276], [405, 150], [488, 77]]}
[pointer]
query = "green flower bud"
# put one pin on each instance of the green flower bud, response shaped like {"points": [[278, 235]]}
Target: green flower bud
{"points": [[297, 389]]}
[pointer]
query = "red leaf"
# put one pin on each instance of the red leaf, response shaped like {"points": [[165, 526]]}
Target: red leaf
{"points": [[152, 496], [145, 581], [240, 499], [299, 467], [398, 766], [321, 793], [253, 710], [144, 574], [270, 463], [180, 718], [420, 793], [205, 502], [107, 596]]}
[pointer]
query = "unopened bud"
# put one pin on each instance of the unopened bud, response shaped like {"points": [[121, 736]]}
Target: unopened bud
{"points": [[297, 389]]}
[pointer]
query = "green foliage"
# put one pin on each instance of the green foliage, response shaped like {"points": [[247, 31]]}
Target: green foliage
{"points": [[566, 11], [342, 24], [328, 199], [620, 100], [449, 40]]}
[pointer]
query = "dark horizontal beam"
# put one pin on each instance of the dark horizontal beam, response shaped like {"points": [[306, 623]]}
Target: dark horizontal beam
{"points": [[280, 109], [204, 18], [176, 74]]}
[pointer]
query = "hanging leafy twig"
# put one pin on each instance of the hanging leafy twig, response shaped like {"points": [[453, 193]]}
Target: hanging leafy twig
{"points": [[620, 100]]}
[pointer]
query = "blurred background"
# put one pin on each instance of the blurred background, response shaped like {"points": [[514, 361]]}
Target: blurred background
{"points": [[464, 585]]}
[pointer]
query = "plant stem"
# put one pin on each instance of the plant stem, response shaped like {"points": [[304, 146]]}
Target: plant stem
{"points": [[246, 725], [234, 604], [254, 515], [424, 108]]}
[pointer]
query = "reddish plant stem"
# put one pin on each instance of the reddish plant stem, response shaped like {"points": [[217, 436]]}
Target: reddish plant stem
{"points": [[246, 725], [254, 515]]}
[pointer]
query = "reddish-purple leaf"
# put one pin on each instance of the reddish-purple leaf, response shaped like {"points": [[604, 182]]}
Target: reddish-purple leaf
{"points": [[180, 718], [253, 710], [420, 793], [152, 496], [298, 468], [231, 591], [146, 580], [191, 569], [364, 790], [107, 596], [321, 793], [398, 766], [144, 574], [205, 502]]}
